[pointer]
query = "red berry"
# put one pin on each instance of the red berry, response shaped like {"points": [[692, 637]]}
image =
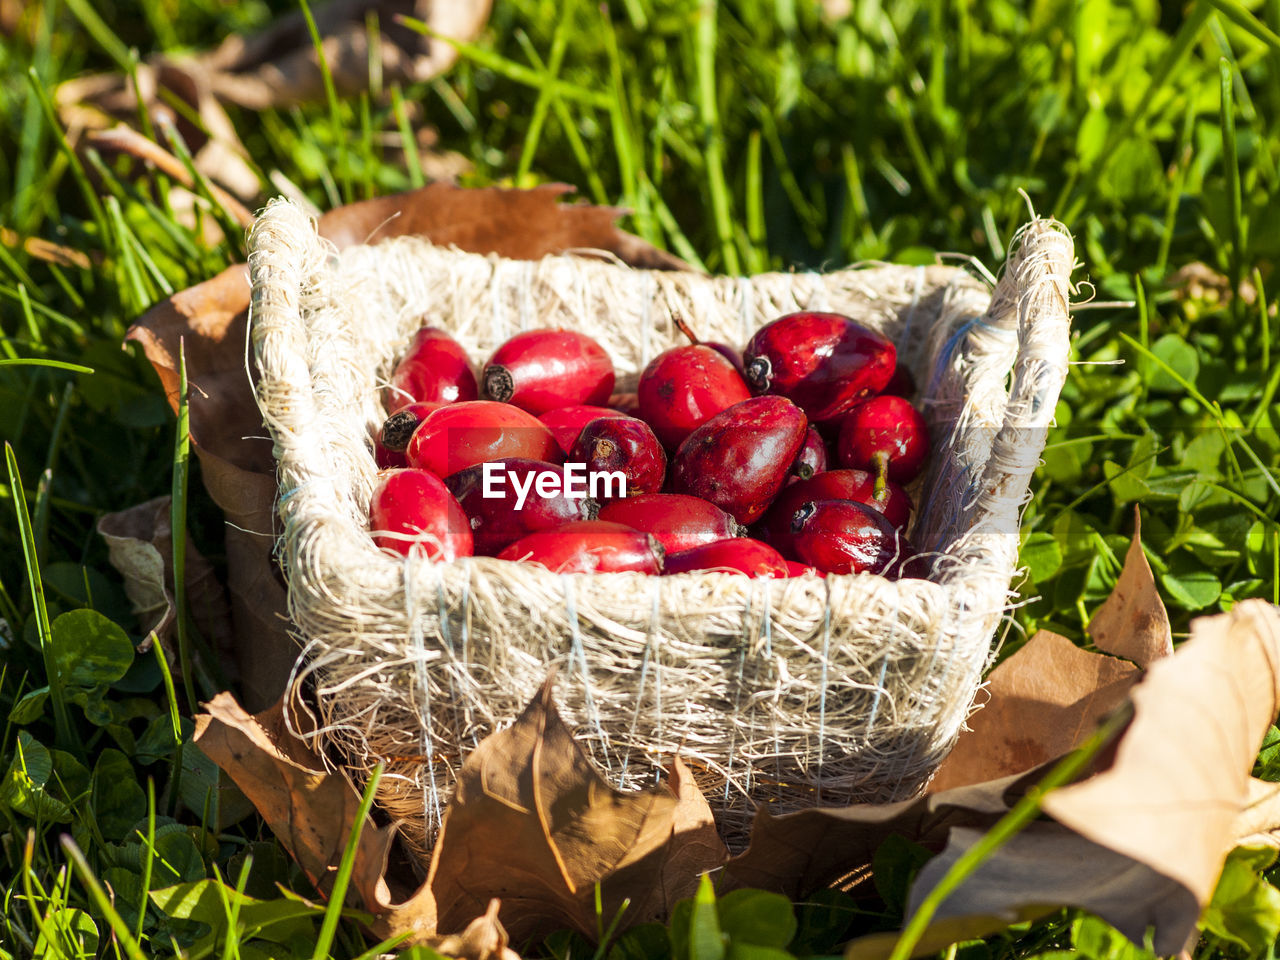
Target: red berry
{"points": [[520, 506], [413, 510], [623, 445], [741, 555], [679, 522], [541, 370], [797, 569], [857, 485], [589, 546], [434, 368], [565, 423], [684, 387], [842, 536], [885, 435], [739, 458], [453, 437], [823, 362], [812, 457]]}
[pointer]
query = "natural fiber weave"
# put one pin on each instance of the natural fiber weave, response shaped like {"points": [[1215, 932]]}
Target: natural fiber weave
{"points": [[787, 692]]}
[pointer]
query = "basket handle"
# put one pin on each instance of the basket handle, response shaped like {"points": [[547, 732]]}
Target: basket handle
{"points": [[284, 251], [1033, 298]]}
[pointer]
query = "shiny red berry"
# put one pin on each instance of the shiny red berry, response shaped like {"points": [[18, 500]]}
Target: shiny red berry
{"points": [[811, 459], [624, 445], [507, 499], [739, 458], [453, 437], [412, 510], [540, 370], [684, 387], [396, 431], [842, 536], [857, 485], [565, 423], [434, 368], [885, 435], [679, 522], [740, 555], [822, 362], [589, 546]]}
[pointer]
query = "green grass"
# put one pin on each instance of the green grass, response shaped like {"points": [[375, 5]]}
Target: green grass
{"points": [[747, 135]]}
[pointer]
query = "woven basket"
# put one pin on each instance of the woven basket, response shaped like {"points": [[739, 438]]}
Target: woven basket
{"points": [[786, 692]]}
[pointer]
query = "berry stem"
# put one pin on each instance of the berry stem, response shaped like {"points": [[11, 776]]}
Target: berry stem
{"points": [[881, 490], [683, 326]]}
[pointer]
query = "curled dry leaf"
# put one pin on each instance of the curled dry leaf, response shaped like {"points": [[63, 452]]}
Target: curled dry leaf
{"points": [[519, 224], [140, 547], [1043, 702], [207, 323], [278, 66], [1141, 843], [1046, 698], [1132, 622], [310, 810], [532, 823]]}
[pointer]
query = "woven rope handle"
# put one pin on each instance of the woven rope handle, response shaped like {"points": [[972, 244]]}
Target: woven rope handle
{"points": [[1033, 297], [284, 251]]}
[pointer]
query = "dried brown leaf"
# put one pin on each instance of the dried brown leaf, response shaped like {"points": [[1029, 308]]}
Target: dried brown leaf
{"points": [[798, 853], [531, 822], [123, 139], [1199, 720], [140, 547], [1142, 842], [1044, 700], [278, 65], [1133, 622], [310, 810], [207, 322], [519, 224], [1039, 870]]}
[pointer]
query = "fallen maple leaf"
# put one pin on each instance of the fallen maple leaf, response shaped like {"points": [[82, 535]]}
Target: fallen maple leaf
{"points": [[1045, 699], [533, 823], [1141, 843]]}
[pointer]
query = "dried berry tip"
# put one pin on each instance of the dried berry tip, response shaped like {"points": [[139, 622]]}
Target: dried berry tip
{"points": [[759, 373], [398, 429], [498, 384]]}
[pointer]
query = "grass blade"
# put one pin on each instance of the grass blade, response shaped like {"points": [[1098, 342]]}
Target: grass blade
{"points": [[333, 911], [1022, 813], [102, 901], [178, 524], [705, 66], [331, 96], [1231, 165], [61, 719]]}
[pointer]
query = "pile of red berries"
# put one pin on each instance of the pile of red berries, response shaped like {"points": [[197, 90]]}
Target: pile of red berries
{"points": [[719, 461]]}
